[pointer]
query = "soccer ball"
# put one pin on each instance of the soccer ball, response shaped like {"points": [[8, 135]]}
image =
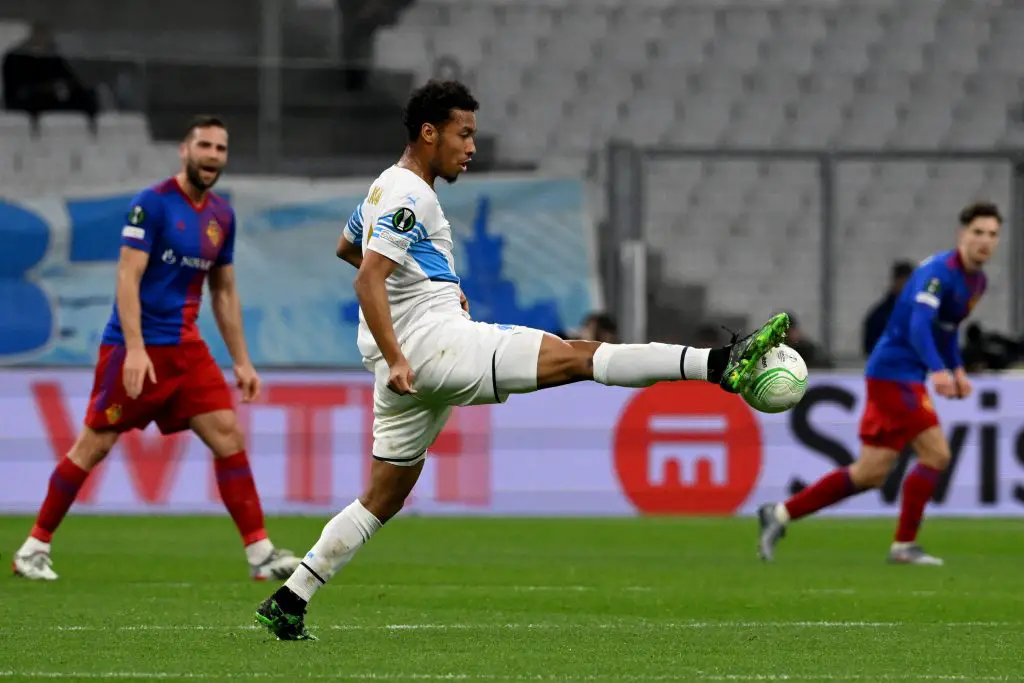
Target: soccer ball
{"points": [[778, 382]]}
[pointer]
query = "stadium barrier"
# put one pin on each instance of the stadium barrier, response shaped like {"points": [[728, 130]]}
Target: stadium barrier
{"points": [[523, 247], [675, 448]]}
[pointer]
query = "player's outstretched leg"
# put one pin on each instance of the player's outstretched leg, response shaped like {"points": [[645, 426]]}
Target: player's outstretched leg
{"points": [[32, 560], [868, 472], [641, 365], [283, 613], [219, 430], [933, 456]]}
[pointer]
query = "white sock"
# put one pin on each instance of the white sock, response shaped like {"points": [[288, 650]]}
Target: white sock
{"points": [[641, 365], [695, 363], [781, 513], [33, 545], [258, 552], [341, 538]]}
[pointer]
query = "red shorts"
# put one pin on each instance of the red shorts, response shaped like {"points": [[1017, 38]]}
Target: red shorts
{"points": [[188, 383], [895, 413]]}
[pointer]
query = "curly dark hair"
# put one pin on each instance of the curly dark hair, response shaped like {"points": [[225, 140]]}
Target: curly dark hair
{"points": [[979, 210], [433, 103]]}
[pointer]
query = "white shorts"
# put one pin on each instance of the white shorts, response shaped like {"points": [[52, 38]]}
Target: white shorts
{"points": [[456, 363]]}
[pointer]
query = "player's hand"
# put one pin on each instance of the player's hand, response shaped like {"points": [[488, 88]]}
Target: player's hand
{"points": [[400, 377], [464, 302], [137, 367], [963, 383], [248, 381], [944, 383]]}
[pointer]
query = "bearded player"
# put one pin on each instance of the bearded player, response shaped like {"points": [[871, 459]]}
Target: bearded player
{"points": [[920, 343], [427, 355], [153, 365]]}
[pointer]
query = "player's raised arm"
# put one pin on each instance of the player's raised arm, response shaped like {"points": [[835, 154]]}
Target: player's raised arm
{"points": [[227, 311], [350, 243]]}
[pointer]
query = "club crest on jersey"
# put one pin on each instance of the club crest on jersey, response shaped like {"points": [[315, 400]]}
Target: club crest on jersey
{"points": [[404, 220], [213, 232], [136, 215], [113, 413]]}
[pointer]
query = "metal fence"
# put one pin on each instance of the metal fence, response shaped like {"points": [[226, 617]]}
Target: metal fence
{"points": [[811, 231]]}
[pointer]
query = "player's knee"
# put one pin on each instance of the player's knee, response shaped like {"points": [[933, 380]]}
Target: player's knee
{"points": [[936, 458], [225, 436], [932, 449], [91, 448], [871, 473], [230, 441]]}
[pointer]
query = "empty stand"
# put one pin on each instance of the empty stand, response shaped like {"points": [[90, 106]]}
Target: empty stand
{"points": [[559, 78]]}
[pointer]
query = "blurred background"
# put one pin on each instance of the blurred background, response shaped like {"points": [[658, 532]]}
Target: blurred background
{"points": [[720, 159], [647, 169]]}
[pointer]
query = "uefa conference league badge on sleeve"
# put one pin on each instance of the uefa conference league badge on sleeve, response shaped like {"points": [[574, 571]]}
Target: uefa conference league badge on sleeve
{"points": [[135, 218], [934, 286], [404, 220]]}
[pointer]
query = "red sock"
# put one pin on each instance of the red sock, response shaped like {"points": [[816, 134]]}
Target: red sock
{"points": [[917, 489], [238, 491], [65, 481], [830, 489]]}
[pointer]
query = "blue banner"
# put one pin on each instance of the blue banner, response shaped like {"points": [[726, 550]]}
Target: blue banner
{"points": [[524, 249]]}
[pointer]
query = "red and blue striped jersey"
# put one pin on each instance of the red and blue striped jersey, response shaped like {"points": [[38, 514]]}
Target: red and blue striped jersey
{"points": [[184, 241], [922, 333]]}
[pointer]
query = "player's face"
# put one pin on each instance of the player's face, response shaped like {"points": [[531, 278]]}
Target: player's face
{"points": [[455, 145], [204, 156], [979, 240]]}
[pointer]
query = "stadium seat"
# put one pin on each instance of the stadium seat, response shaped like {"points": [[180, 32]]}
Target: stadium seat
{"points": [[15, 127], [122, 127], [67, 129]]}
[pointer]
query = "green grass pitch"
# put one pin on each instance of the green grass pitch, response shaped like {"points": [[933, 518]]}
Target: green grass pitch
{"points": [[525, 600]]}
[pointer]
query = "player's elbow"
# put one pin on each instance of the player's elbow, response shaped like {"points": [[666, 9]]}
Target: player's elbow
{"points": [[349, 252]]}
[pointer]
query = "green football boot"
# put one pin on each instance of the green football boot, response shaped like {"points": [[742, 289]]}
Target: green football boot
{"points": [[283, 625], [744, 353]]}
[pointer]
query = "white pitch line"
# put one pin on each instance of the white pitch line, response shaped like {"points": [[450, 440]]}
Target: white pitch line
{"points": [[541, 626], [852, 677], [373, 676]]}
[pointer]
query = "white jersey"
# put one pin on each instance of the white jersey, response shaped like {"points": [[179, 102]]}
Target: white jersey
{"points": [[402, 219]]}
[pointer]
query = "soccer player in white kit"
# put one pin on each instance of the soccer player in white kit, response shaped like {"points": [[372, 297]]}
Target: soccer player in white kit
{"points": [[428, 355]]}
